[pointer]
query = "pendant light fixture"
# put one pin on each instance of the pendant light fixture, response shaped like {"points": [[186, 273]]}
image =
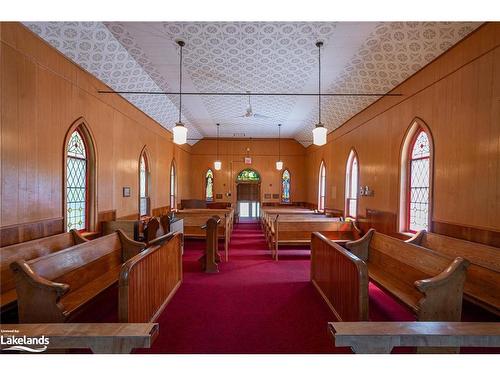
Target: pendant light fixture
{"points": [[217, 162], [319, 132], [279, 163], [179, 130]]}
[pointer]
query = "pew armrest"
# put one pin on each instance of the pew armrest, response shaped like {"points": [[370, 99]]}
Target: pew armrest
{"points": [[361, 247], [130, 248], [443, 293], [38, 299], [416, 239], [77, 237]]}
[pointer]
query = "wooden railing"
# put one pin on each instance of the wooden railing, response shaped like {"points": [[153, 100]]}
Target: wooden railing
{"points": [[98, 337], [150, 279], [382, 337], [340, 278]]}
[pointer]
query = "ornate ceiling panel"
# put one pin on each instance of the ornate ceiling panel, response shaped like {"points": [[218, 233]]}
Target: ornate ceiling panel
{"points": [[252, 56]]}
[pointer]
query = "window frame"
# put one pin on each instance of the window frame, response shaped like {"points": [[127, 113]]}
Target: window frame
{"points": [[173, 186], [322, 187], [144, 155], [206, 185], [408, 142], [348, 182]]}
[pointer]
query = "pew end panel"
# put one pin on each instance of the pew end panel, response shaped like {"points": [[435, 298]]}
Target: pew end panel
{"points": [[38, 298], [130, 248], [443, 293], [150, 279], [340, 277]]}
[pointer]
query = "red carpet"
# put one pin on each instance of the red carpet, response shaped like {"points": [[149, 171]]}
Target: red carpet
{"points": [[257, 305]]}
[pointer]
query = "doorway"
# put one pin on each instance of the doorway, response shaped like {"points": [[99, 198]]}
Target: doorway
{"points": [[248, 194]]}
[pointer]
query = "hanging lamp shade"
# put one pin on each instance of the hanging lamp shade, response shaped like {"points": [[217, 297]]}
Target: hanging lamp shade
{"points": [[180, 133], [179, 130], [279, 165], [319, 135]]}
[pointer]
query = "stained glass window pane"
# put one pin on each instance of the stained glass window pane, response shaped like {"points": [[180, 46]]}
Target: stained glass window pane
{"points": [[248, 175], [209, 189], [143, 174], [352, 188], [285, 180], [76, 183], [421, 148], [419, 184], [322, 187]]}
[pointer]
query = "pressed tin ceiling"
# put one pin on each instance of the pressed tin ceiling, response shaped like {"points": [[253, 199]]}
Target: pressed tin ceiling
{"points": [[358, 57]]}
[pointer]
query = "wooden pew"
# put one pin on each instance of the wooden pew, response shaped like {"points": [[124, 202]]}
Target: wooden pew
{"points": [[27, 251], [194, 219], [430, 285], [102, 338], [211, 257], [149, 280], [382, 337], [293, 229], [340, 277], [56, 287], [482, 284], [151, 230]]}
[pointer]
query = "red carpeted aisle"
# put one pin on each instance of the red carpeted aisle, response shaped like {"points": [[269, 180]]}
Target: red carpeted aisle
{"points": [[254, 305]]}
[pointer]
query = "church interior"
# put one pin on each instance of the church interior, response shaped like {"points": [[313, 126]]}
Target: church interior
{"points": [[250, 187]]}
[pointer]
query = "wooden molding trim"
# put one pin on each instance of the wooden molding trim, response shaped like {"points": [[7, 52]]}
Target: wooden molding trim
{"points": [[484, 236], [13, 234]]}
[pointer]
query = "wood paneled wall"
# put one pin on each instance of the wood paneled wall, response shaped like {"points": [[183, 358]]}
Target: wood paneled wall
{"points": [[264, 153], [458, 97], [42, 94]]}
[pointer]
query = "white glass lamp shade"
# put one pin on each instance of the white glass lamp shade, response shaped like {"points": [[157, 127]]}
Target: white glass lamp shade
{"points": [[279, 165], [319, 135], [180, 133], [217, 165]]}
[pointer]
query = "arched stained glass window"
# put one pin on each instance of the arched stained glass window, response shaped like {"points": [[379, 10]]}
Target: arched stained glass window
{"points": [[351, 189], [248, 175], [419, 182], [143, 185], [321, 186], [209, 186], [173, 191], [76, 182], [285, 186]]}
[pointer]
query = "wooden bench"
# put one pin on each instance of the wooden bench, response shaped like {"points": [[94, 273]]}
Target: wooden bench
{"points": [[268, 221], [101, 338], [429, 284], [290, 230], [194, 219], [482, 284], [55, 287], [27, 251], [129, 227], [382, 337], [209, 261], [149, 280]]}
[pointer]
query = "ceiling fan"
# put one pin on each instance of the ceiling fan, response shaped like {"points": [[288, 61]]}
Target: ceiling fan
{"points": [[249, 111]]}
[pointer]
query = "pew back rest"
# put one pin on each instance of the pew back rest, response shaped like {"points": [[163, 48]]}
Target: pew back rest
{"points": [[31, 250], [302, 228], [80, 264], [129, 227], [405, 261]]}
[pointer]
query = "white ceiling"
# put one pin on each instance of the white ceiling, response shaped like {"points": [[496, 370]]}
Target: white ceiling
{"points": [[358, 57]]}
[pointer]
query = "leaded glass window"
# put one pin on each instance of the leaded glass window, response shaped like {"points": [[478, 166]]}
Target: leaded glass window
{"points": [[172, 186], [76, 183], [285, 186], [209, 186], [352, 176], [419, 183], [248, 175], [321, 187], [143, 185]]}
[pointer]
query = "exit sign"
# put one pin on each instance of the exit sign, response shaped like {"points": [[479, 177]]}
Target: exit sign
{"points": [[248, 160]]}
